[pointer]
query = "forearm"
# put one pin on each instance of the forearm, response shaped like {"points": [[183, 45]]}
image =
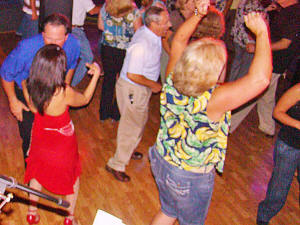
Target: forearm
{"points": [[94, 10], [186, 30], [27, 98], [100, 22], [89, 91], [9, 89], [180, 41], [33, 8], [69, 76], [261, 66], [285, 119], [32, 5], [142, 80], [281, 44]]}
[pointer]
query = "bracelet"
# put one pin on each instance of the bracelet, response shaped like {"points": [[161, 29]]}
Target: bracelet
{"points": [[197, 13]]}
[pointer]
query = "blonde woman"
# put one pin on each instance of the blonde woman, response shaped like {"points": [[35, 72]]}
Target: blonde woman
{"points": [[195, 117], [118, 19]]}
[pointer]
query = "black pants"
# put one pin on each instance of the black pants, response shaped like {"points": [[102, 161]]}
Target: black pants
{"points": [[25, 125], [112, 60]]}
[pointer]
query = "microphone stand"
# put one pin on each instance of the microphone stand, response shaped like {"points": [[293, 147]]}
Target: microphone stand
{"points": [[9, 182]]}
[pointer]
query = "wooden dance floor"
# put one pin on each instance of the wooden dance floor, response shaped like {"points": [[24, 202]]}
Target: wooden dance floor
{"points": [[236, 194]]}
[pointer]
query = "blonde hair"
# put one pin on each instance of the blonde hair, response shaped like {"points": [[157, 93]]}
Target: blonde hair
{"points": [[119, 8], [199, 67]]}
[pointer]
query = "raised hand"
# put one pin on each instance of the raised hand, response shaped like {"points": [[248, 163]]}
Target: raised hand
{"points": [[256, 23], [202, 6], [94, 69]]}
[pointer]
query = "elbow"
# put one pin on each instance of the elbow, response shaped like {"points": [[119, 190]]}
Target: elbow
{"points": [[265, 77], [265, 82]]}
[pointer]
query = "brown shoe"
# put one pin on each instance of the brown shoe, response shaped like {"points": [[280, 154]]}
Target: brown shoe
{"points": [[120, 176], [137, 155]]}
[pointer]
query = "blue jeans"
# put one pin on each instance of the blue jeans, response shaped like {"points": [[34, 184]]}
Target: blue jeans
{"points": [[86, 55], [183, 195], [28, 27], [286, 161]]}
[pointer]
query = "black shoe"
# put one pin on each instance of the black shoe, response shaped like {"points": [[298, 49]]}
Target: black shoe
{"points": [[261, 223], [119, 175], [137, 156]]}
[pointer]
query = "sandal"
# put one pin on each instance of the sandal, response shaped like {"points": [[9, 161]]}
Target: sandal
{"points": [[33, 217], [70, 220]]}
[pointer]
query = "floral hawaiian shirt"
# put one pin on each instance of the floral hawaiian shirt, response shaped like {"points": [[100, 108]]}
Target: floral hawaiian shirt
{"points": [[187, 138], [118, 31]]}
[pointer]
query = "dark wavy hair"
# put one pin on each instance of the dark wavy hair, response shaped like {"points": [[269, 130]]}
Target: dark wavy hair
{"points": [[57, 19], [47, 74]]}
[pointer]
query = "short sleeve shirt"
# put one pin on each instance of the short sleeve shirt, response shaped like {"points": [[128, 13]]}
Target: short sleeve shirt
{"points": [[80, 8], [17, 64], [187, 138], [143, 55], [286, 25], [118, 31]]}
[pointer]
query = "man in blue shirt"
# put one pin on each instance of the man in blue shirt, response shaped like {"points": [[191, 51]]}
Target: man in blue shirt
{"points": [[138, 79], [17, 65]]}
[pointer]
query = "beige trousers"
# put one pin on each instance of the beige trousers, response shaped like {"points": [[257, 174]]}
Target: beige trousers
{"points": [[265, 105], [133, 101]]}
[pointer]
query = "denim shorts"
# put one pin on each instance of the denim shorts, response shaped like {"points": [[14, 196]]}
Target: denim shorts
{"points": [[183, 195]]}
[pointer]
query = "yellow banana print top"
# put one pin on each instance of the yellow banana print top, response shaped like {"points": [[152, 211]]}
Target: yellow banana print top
{"points": [[187, 138]]}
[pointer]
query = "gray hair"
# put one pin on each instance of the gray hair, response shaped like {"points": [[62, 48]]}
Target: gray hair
{"points": [[153, 14]]}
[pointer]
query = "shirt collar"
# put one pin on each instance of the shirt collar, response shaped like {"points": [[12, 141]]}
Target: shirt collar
{"points": [[151, 33]]}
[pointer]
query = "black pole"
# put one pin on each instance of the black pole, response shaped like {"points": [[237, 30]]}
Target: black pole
{"points": [[11, 183]]}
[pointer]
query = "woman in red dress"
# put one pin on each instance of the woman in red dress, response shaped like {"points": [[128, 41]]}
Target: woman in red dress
{"points": [[53, 159]]}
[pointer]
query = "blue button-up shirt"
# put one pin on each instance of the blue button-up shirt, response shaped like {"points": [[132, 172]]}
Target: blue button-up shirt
{"points": [[17, 64]]}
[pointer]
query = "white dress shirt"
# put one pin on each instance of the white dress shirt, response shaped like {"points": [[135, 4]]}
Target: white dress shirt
{"points": [[80, 8], [143, 55]]}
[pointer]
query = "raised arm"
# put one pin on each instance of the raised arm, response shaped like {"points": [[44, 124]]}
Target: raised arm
{"points": [[234, 94], [77, 99], [289, 98], [183, 34]]}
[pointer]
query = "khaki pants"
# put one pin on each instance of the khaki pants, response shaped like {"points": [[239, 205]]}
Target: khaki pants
{"points": [[265, 105], [133, 101]]}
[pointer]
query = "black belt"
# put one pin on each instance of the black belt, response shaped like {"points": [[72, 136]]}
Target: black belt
{"points": [[78, 26]]}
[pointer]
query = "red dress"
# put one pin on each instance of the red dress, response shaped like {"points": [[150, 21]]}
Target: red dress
{"points": [[53, 158]]}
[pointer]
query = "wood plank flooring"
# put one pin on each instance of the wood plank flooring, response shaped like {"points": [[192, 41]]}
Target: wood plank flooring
{"points": [[236, 194]]}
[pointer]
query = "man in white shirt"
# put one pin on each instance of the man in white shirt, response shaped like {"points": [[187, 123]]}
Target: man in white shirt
{"points": [[138, 79], [80, 8], [30, 24]]}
